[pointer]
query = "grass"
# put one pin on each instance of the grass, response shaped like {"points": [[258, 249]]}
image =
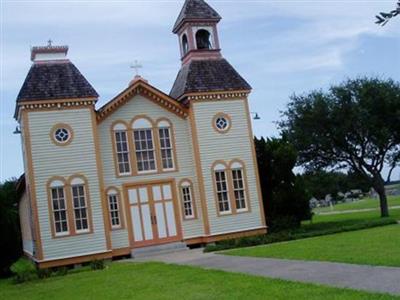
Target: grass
{"points": [[360, 204], [161, 281], [376, 246]]}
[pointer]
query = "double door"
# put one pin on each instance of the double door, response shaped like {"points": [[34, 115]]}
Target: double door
{"points": [[153, 212]]}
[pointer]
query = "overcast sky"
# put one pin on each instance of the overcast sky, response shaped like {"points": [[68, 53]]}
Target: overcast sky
{"points": [[280, 47]]}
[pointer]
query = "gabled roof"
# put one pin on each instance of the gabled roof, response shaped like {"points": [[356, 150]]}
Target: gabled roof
{"points": [[214, 75], [141, 87], [195, 10], [54, 81]]}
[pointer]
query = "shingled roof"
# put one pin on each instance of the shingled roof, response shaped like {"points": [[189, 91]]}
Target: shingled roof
{"points": [[207, 76], [55, 80], [195, 10]]}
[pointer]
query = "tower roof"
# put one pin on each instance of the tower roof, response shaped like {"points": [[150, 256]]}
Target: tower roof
{"points": [[215, 75], [54, 81], [195, 10]]}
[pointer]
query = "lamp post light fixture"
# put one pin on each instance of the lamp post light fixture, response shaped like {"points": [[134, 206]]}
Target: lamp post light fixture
{"points": [[256, 116]]}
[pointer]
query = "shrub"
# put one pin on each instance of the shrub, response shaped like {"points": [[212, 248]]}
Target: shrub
{"points": [[97, 264], [23, 270], [61, 271], [43, 273]]}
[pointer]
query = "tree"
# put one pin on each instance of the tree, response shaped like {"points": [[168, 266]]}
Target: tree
{"points": [[383, 17], [10, 236], [355, 125], [286, 202], [320, 183]]}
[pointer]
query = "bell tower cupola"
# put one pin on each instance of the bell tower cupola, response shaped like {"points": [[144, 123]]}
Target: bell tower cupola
{"points": [[196, 28]]}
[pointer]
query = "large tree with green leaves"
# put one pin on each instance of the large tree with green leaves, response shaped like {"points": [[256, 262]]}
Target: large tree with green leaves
{"points": [[354, 125], [286, 202]]}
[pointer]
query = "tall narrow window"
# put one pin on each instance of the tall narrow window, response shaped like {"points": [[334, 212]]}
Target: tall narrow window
{"points": [[80, 207], [122, 149], [144, 145], [114, 209], [222, 189], [239, 189], [59, 210], [187, 200], [166, 146]]}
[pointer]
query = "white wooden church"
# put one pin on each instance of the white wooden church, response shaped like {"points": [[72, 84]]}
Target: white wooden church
{"points": [[147, 168]]}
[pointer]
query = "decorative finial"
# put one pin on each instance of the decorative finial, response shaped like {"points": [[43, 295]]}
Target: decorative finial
{"points": [[49, 43], [136, 66]]}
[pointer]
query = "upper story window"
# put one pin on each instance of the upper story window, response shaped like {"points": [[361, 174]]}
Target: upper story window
{"points": [[80, 205], [114, 208], [185, 44], [203, 39], [59, 207], [221, 123], [122, 149], [61, 134], [166, 149], [187, 200], [144, 145], [238, 186], [222, 190]]}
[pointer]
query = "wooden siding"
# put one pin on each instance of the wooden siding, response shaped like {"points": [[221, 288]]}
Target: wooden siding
{"points": [[233, 144], [77, 158], [140, 105]]}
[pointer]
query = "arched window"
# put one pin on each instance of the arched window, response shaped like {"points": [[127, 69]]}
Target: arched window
{"points": [[80, 205], [121, 149], [221, 188], [187, 200], [166, 147], [59, 208], [239, 189], [144, 145], [114, 208], [203, 39], [185, 44]]}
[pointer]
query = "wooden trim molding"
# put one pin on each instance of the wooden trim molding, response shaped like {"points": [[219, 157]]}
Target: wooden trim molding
{"points": [[120, 208], [61, 126], [193, 198], [73, 260], [31, 183], [199, 173], [100, 176], [216, 95], [141, 87], [226, 117]]}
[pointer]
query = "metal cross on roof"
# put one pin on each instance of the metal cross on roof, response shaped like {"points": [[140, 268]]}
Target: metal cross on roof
{"points": [[49, 43], [136, 66]]}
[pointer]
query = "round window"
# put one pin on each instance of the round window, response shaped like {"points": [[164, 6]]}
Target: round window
{"points": [[221, 123], [61, 134]]}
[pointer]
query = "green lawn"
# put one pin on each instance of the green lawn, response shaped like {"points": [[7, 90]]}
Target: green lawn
{"points": [[160, 281], [354, 216], [360, 204], [376, 246]]}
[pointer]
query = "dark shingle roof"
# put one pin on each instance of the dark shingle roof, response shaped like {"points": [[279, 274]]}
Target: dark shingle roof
{"points": [[56, 80], [195, 10], [207, 76]]}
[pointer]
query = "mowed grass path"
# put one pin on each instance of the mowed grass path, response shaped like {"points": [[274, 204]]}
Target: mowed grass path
{"points": [[160, 281], [360, 204], [376, 246]]}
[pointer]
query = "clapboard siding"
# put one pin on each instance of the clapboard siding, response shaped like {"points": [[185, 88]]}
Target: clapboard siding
{"points": [[234, 144], [139, 105], [77, 158]]}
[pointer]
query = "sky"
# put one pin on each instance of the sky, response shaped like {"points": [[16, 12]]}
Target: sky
{"points": [[280, 47]]}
